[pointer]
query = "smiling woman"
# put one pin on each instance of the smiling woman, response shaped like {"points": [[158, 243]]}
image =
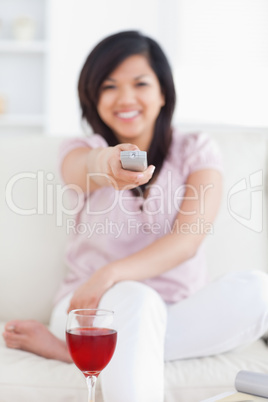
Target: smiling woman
{"points": [[132, 104], [144, 89]]}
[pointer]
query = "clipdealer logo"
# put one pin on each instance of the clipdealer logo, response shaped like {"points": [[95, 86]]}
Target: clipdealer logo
{"points": [[250, 190], [50, 199]]}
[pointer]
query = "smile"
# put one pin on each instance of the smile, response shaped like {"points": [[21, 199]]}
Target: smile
{"points": [[128, 115]]}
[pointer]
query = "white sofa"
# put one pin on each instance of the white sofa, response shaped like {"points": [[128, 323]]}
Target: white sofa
{"points": [[32, 238]]}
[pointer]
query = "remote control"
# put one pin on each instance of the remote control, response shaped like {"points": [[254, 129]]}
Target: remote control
{"points": [[134, 160]]}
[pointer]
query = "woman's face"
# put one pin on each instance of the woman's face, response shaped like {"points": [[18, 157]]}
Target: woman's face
{"points": [[130, 101]]}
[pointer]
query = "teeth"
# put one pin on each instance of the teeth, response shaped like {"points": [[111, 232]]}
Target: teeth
{"points": [[128, 115]]}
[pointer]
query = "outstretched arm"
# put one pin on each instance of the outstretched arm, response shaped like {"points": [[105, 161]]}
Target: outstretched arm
{"points": [[167, 252], [91, 168]]}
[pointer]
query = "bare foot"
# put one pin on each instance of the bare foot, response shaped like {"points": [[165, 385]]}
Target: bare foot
{"points": [[34, 337]]}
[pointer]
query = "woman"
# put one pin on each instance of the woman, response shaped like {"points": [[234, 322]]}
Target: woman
{"points": [[137, 243]]}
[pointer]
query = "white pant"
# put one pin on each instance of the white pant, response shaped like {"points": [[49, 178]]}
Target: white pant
{"points": [[229, 312]]}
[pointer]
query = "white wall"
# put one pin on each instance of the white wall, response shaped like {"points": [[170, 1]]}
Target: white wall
{"points": [[218, 51], [222, 67], [75, 26]]}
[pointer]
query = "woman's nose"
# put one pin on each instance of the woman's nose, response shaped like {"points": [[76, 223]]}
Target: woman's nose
{"points": [[126, 95]]}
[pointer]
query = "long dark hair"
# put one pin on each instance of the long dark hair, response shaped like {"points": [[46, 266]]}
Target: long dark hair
{"points": [[104, 59]]}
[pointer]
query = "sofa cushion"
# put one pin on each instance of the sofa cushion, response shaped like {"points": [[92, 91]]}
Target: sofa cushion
{"points": [[32, 240], [27, 377], [34, 244], [239, 240]]}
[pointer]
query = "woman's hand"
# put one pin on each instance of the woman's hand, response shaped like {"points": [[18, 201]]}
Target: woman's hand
{"points": [[98, 167], [89, 294], [107, 161]]}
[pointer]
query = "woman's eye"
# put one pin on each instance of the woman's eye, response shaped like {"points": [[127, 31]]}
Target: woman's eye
{"points": [[142, 84], [108, 86]]}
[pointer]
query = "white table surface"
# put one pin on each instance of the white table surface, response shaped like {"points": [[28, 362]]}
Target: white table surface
{"points": [[217, 397]]}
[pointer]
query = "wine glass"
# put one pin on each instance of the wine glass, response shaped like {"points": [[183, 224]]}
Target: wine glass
{"points": [[91, 340]]}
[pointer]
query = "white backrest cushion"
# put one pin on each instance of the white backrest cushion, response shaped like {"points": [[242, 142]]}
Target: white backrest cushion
{"points": [[32, 246], [240, 231], [31, 258]]}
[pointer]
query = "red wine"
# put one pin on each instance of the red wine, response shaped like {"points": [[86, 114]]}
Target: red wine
{"points": [[91, 348]]}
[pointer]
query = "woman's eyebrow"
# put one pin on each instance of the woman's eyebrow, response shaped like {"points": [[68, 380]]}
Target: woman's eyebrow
{"points": [[135, 78], [109, 79], [141, 76]]}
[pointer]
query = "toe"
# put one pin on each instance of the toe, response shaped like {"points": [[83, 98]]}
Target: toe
{"points": [[10, 326], [10, 339], [10, 336]]}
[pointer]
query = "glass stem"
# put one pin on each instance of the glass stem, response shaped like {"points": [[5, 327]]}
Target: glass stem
{"points": [[91, 384]]}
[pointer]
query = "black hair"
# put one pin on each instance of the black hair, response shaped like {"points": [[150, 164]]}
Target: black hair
{"points": [[104, 59]]}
